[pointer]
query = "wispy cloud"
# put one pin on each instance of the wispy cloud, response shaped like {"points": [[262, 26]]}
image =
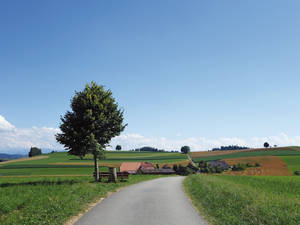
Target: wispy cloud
{"points": [[12, 137]]}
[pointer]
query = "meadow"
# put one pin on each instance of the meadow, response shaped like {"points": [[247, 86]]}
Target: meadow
{"points": [[60, 163], [52, 200], [245, 153], [293, 162], [245, 200]]}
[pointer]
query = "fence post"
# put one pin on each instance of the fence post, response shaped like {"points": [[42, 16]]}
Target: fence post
{"points": [[112, 174]]}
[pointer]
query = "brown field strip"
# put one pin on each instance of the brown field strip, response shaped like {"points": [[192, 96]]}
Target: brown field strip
{"points": [[25, 159], [269, 166], [227, 152]]}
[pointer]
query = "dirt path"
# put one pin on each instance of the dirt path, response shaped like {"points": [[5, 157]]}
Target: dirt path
{"points": [[25, 159]]}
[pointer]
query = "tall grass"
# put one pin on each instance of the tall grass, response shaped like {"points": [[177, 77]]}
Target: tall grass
{"points": [[30, 201], [245, 200]]}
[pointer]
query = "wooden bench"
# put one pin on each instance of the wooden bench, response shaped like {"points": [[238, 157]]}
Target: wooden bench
{"points": [[120, 175]]}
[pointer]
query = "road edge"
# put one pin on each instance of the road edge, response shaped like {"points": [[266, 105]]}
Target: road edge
{"points": [[204, 216]]}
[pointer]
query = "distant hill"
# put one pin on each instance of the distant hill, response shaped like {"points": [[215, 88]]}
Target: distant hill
{"points": [[5, 156]]}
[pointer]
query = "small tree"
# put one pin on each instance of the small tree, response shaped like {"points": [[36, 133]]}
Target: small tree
{"points": [[185, 149], [118, 147], [34, 151], [266, 145], [94, 120]]}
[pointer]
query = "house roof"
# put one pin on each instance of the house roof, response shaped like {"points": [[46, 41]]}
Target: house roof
{"points": [[130, 166], [147, 165]]}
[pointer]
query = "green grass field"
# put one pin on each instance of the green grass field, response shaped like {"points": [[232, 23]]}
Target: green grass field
{"points": [[293, 162], [245, 200], [250, 154], [51, 201], [60, 163]]}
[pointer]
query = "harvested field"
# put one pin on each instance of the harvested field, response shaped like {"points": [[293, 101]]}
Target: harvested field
{"points": [[269, 166], [25, 159]]}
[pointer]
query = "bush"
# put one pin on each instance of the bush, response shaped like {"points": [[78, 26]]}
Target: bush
{"points": [[203, 164], [238, 167], [248, 165], [182, 170], [257, 164], [297, 173]]}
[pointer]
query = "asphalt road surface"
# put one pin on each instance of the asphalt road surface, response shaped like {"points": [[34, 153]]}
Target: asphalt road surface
{"points": [[156, 202]]}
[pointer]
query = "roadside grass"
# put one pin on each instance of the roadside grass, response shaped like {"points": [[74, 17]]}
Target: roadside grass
{"points": [[245, 200], [293, 162], [249, 154], [42, 201]]}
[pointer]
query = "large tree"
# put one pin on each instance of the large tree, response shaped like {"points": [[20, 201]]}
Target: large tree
{"points": [[266, 145], [185, 149], [34, 151], [93, 121]]}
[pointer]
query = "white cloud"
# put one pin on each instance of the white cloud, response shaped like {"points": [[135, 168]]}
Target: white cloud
{"points": [[20, 138], [12, 137], [132, 141], [5, 125]]}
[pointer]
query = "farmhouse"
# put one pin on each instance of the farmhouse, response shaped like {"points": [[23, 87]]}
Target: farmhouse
{"points": [[130, 167], [144, 168]]}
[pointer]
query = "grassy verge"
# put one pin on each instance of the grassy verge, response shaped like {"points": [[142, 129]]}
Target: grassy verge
{"points": [[30, 201], [246, 200]]}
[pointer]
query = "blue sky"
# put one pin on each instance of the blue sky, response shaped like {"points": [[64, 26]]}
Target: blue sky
{"points": [[200, 73]]}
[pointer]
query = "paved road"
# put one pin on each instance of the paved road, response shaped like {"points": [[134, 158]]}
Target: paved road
{"points": [[155, 202]]}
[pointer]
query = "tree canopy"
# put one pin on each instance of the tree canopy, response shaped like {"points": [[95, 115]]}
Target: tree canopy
{"points": [[185, 149], [266, 144], [34, 151], [93, 121], [118, 147]]}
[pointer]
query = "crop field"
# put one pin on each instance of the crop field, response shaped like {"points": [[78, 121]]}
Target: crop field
{"points": [[269, 166], [60, 163], [51, 200], [243, 200], [217, 155]]}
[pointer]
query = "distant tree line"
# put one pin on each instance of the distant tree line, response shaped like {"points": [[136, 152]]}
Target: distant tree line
{"points": [[230, 147], [148, 149], [151, 149]]}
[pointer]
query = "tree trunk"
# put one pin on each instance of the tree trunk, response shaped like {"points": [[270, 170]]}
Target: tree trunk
{"points": [[96, 167]]}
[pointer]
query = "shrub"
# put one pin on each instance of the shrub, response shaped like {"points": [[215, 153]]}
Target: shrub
{"points": [[297, 173], [193, 168], [238, 167], [248, 165], [203, 164], [257, 164]]}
